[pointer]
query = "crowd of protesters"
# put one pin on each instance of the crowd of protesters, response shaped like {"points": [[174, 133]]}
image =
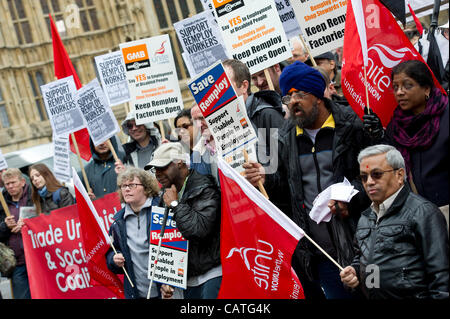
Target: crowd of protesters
{"points": [[396, 222]]}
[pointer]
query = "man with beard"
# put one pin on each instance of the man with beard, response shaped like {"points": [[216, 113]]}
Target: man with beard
{"points": [[318, 147]]}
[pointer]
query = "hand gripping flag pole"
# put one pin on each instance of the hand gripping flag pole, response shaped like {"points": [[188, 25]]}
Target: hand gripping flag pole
{"points": [[108, 239]]}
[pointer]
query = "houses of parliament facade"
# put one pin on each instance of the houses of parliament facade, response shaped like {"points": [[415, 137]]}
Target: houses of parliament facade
{"points": [[88, 29]]}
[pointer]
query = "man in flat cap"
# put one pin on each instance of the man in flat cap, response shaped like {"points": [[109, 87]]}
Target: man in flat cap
{"points": [[195, 202], [318, 147], [327, 61]]}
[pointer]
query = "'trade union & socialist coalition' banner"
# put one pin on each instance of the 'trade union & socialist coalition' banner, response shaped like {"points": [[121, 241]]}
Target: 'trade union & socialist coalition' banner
{"points": [[55, 256]]}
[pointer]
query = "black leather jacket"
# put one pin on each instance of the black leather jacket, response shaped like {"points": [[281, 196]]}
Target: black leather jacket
{"points": [[409, 247], [198, 219]]}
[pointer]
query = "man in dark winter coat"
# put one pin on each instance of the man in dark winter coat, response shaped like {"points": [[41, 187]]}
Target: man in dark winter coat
{"points": [[401, 240], [145, 139], [102, 170], [318, 147], [17, 194], [195, 202]]}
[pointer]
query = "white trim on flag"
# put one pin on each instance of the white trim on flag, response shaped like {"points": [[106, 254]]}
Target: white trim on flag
{"points": [[79, 185], [258, 199], [361, 26]]}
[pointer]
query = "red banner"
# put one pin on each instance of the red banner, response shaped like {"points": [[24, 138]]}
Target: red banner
{"points": [[387, 46], [55, 255], [257, 243]]}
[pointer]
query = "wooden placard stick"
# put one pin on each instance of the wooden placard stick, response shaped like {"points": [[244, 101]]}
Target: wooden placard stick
{"points": [[161, 129], [260, 184], [113, 151], [269, 79], [308, 50], [83, 172], [4, 205]]}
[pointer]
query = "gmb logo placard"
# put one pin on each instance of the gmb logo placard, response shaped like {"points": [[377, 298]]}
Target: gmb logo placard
{"points": [[226, 6], [136, 57]]}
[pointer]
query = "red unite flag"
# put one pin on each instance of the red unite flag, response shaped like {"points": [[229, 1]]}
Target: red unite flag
{"points": [[63, 69], [96, 241], [387, 46], [257, 243]]}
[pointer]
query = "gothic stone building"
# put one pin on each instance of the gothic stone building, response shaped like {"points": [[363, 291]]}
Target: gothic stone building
{"points": [[88, 28]]}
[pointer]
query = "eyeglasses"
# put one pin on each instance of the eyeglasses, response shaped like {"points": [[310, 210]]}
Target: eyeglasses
{"points": [[131, 125], [183, 126], [404, 86], [375, 175], [160, 169], [295, 95], [130, 186]]}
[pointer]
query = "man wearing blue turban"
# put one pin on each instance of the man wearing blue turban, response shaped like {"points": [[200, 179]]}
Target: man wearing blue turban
{"points": [[318, 147]]}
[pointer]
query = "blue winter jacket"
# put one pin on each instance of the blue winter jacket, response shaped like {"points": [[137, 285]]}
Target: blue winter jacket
{"points": [[119, 232]]}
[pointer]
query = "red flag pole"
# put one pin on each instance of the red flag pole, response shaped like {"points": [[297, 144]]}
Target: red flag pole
{"points": [[83, 172], [367, 91], [123, 267], [323, 251], [260, 184]]}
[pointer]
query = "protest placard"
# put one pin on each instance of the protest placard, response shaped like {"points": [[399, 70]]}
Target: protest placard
{"points": [[61, 159], [171, 267], [55, 256], [3, 164], [207, 6], [201, 41], [27, 212], [225, 115], [100, 119], [65, 117], [111, 71], [152, 79], [322, 23], [287, 17], [252, 32]]}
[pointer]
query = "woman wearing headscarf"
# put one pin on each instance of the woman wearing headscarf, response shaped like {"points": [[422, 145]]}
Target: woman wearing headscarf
{"points": [[419, 129], [47, 193]]}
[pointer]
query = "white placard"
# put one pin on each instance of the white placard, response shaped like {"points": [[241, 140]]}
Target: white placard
{"points": [[253, 32], [111, 71], [152, 79], [201, 41], [65, 116], [3, 164], [100, 119], [27, 212], [287, 17], [225, 115], [171, 267], [61, 159], [322, 23]]}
